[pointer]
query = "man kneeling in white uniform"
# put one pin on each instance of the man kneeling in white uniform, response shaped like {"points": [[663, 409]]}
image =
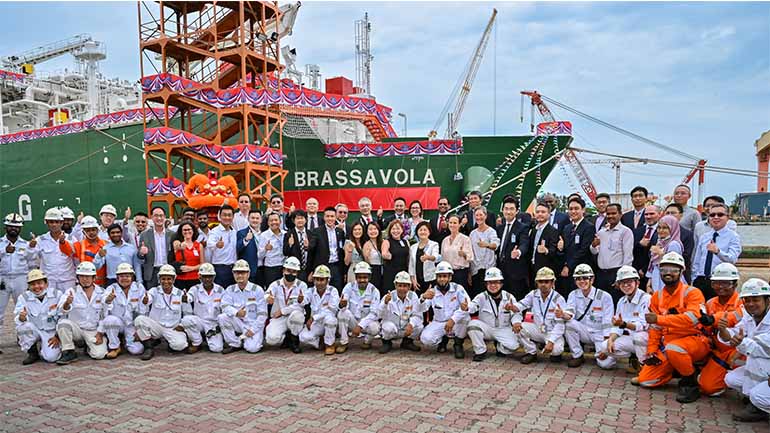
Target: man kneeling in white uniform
{"points": [[323, 301], [288, 300], [751, 337], [358, 308], [124, 305], [36, 314], [446, 298], [546, 328], [206, 301], [628, 337], [83, 308], [401, 314], [166, 304], [495, 318], [244, 312]]}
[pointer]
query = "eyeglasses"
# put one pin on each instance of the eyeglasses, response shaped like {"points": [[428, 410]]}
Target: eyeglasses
{"points": [[717, 215], [582, 278], [342, 211], [275, 202]]}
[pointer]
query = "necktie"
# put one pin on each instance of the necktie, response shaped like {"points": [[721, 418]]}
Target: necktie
{"points": [[442, 223], [312, 222], [636, 218], [302, 248], [709, 258], [648, 233], [505, 239]]}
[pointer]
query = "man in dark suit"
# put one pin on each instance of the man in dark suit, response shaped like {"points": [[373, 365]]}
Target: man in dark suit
{"points": [[600, 219], [296, 242], [314, 219], [543, 242], [557, 219], [276, 206], [468, 222], [577, 237], [439, 229], [686, 236], [399, 212], [645, 237], [365, 209], [247, 245], [154, 247], [342, 213], [326, 247], [513, 250], [634, 218]]}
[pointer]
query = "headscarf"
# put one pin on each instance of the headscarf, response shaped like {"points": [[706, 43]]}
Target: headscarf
{"points": [[673, 225]]}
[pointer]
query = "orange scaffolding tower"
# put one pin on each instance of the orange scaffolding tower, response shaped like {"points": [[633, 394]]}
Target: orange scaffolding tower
{"points": [[216, 45]]}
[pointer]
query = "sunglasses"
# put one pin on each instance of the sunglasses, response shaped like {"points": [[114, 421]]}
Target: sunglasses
{"points": [[717, 215], [582, 278]]}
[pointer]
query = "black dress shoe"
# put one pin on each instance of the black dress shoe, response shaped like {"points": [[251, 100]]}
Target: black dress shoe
{"points": [[480, 357]]}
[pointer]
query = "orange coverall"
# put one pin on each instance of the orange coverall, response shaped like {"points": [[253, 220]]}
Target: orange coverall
{"points": [[677, 338], [85, 251], [712, 377]]}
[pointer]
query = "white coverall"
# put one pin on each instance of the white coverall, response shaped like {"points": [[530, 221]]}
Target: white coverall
{"points": [[595, 312], [397, 314], [323, 310], [546, 327], [57, 266], [121, 313], [13, 271], [81, 321], [165, 315], [445, 306], [285, 300], [206, 308], [234, 329], [751, 378], [361, 310], [631, 310], [493, 323], [40, 326]]}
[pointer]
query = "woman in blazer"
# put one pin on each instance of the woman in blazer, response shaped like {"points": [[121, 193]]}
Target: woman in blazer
{"points": [[423, 256]]}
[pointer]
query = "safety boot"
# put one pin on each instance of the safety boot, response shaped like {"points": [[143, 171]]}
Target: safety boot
{"points": [[387, 345], [442, 346], [408, 344], [342, 348], [750, 413], [67, 357], [575, 362], [32, 356], [149, 350], [688, 389], [295, 344], [112, 354], [330, 350], [528, 358], [478, 357], [458, 348]]}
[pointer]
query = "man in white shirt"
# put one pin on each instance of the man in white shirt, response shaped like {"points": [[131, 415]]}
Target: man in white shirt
{"points": [[16, 255], [614, 245], [59, 267], [221, 243], [270, 246], [241, 218]]}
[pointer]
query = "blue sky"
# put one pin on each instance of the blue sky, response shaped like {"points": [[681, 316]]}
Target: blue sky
{"points": [[695, 76]]}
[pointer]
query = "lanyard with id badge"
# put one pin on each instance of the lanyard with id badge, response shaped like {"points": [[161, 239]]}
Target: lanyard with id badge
{"points": [[544, 313]]}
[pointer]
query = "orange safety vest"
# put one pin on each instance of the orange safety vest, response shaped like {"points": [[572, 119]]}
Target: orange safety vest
{"points": [[687, 301]]}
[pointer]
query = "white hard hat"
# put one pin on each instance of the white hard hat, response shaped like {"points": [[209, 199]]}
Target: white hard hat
{"points": [[725, 272], [124, 268], [34, 275], [545, 274], [362, 268], [67, 213], [444, 268], [583, 270], [322, 271], [108, 208], [89, 222], [167, 270], [86, 268], [493, 274], [208, 269], [673, 258], [241, 266], [754, 287], [292, 263], [626, 272], [402, 278], [53, 214], [13, 220]]}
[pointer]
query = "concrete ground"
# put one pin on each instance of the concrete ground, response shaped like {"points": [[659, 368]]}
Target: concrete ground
{"points": [[359, 391]]}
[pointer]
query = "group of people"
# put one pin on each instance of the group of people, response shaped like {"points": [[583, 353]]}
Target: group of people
{"points": [[630, 285]]}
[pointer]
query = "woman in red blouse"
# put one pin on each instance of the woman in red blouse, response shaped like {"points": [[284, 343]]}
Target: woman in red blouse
{"points": [[186, 256]]}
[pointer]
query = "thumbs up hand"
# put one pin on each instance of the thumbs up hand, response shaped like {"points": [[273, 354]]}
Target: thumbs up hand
{"points": [[62, 238], [269, 246], [291, 240], [712, 247], [127, 214], [510, 306], [386, 299], [146, 299], [541, 248], [301, 297], [33, 241], [102, 252], [737, 338], [249, 236], [559, 313], [379, 212], [23, 315], [10, 248], [516, 253], [143, 250], [241, 313], [68, 301], [292, 208], [80, 216], [617, 320], [177, 246], [596, 242], [722, 323], [220, 243], [560, 244], [110, 297]]}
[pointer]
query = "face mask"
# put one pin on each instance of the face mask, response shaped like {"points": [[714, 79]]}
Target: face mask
{"points": [[289, 277]]}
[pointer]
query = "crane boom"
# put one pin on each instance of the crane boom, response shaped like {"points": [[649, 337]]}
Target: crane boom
{"points": [[466, 83], [47, 52]]}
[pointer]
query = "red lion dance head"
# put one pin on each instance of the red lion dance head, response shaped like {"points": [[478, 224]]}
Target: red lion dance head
{"points": [[207, 191]]}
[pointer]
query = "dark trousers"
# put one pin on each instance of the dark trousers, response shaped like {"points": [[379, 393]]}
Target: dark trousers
{"points": [[477, 283], [460, 277], [376, 278], [185, 284], [271, 273], [605, 280], [153, 280], [109, 282], [704, 284], [224, 276], [337, 271]]}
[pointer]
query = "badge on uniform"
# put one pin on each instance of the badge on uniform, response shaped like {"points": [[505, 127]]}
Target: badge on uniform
{"points": [[577, 239], [542, 328]]}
